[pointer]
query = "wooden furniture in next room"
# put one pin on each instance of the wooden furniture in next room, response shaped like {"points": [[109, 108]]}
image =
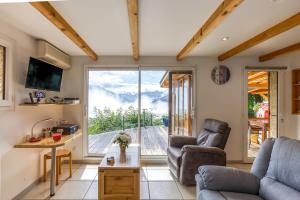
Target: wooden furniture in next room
{"points": [[61, 153], [296, 91], [49, 143], [120, 180]]}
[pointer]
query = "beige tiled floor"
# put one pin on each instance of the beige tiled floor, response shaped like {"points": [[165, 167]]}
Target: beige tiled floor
{"points": [[156, 183]]}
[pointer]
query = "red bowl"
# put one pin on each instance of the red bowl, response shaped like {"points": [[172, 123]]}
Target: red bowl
{"points": [[56, 137]]}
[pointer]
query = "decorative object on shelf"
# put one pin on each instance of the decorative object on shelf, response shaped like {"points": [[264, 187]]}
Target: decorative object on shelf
{"points": [[110, 160], [56, 137], [38, 138], [220, 74], [39, 96], [123, 139]]}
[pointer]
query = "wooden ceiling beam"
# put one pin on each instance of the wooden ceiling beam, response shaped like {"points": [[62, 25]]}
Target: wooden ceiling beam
{"points": [[252, 76], [224, 9], [258, 85], [269, 56], [46, 9], [267, 34], [132, 6], [261, 76], [258, 91]]}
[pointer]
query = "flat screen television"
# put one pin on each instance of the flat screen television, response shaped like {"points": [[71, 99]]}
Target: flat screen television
{"points": [[43, 76]]}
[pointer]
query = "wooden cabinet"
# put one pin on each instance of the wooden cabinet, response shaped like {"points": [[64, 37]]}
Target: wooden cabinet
{"points": [[120, 181], [296, 91], [119, 184]]}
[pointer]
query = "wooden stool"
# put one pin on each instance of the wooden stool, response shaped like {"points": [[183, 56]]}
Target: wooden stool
{"points": [[61, 153]]}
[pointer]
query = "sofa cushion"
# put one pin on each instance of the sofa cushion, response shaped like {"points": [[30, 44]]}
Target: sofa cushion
{"points": [[215, 126], [285, 162], [174, 155], [262, 160], [210, 195], [274, 190], [215, 195], [227, 179], [239, 196]]}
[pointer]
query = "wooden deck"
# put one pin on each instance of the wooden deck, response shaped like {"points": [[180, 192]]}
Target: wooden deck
{"points": [[154, 140]]}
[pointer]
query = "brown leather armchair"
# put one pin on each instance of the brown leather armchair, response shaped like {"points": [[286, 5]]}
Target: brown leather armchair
{"points": [[186, 154]]}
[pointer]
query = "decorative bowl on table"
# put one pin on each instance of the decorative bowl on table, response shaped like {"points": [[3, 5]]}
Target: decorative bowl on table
{"points": [[56, 137]]}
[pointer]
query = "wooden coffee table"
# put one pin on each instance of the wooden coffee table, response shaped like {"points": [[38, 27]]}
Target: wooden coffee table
{"points": [[122, 179]]}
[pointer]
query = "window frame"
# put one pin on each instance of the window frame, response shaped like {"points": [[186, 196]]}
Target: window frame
{"points": [[8, 73]]}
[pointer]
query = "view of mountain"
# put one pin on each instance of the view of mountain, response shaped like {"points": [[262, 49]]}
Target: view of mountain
{"points": [[119, 89]]}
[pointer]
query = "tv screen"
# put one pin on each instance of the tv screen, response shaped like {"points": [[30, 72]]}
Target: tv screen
{"points": [[43, 76]]}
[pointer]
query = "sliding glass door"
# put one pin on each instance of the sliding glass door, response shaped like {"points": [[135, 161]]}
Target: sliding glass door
{"points": [[154, 113], [148, 104], [112, 107]]}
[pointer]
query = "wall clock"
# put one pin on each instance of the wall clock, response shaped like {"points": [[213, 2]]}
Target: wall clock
{"points": [[220, 74]]}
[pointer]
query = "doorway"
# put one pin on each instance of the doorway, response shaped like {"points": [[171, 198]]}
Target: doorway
{"points": [[140, 101], [262, 109]]}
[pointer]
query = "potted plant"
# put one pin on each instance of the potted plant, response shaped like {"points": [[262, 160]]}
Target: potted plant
{"points": [[123, 139]]}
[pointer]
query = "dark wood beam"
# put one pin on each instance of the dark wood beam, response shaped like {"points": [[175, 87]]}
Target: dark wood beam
{"points": [[46, 9]]}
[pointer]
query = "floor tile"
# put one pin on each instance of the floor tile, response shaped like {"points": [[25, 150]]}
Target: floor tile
{"points": [[65, 174], [143, 176], [144, 190], [74, 166], [89, 166], [41, 191], [187, 192], [92, 192], [160, 167], [84, 174], [164, 190], [159, 175], [72, 190]]}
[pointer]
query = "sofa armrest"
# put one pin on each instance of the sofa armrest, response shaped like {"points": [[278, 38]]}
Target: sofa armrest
{"points": [[180, 141], [227, 179]]}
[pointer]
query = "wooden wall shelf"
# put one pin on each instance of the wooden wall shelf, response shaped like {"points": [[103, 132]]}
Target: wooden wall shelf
{"points": [[296, 91]]}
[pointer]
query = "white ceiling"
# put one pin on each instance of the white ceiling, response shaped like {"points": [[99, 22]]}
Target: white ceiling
{"points": [[165, 25]]}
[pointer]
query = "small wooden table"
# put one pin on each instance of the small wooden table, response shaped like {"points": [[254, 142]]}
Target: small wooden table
{"points": [[122, 179], [49, 143]]}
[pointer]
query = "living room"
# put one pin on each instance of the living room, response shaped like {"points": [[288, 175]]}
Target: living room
{"points": [[146, 47]]}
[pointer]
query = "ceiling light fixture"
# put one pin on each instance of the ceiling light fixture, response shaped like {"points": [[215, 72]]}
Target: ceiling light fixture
{"points": [[225, 38]]}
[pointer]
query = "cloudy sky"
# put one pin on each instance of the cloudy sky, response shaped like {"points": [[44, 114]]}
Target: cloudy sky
{"points": [[126, 83]]}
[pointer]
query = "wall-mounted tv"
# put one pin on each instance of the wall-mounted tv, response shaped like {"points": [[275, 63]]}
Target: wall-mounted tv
{"points": [[43, 76]]}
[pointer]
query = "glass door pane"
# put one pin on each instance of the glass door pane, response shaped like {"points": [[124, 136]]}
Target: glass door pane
{"points": [[262, 108], [181, 103], [154, 113], [112, 107]]}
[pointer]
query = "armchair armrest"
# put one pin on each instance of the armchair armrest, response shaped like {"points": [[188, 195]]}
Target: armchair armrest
{"points": [[180, 141], [227, 179], [194, 156]]}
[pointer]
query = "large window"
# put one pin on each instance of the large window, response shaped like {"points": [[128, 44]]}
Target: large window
{"points": [[138, 101]]}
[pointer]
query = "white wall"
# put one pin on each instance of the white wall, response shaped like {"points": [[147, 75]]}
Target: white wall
{"points": [[222, 102], [20, 167]]}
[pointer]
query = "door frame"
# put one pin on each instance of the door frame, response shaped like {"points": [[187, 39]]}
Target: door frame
{"points": [[138, 68], [280, 104]]}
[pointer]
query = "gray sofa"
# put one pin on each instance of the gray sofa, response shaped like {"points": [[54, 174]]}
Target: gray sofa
{"points": [[186, 154], [275, 175]]}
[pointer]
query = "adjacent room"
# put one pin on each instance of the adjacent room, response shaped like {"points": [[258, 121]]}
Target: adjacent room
{"points": [[150, 100]]}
